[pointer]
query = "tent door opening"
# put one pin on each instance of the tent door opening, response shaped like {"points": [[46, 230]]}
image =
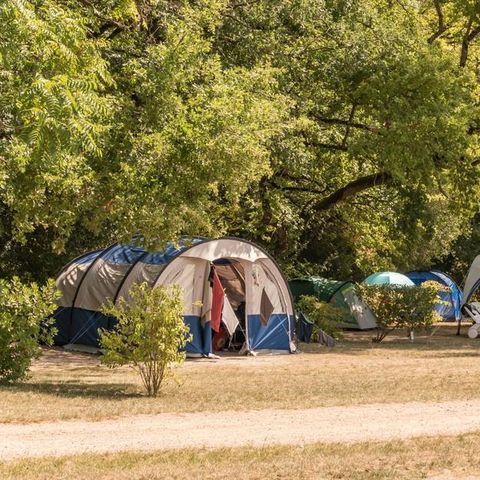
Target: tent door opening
{"points": [[231, 336]]}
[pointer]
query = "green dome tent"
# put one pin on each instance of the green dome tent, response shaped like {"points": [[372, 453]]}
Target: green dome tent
{"points": [[338, 293]]}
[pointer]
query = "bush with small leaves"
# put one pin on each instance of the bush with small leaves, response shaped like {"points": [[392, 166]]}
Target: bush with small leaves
{"points": [[324, 316], [25, 321], [149, 335], [395, 307]]}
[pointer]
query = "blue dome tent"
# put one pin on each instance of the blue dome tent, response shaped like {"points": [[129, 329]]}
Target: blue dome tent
{"points": [[450, 311], [256, 294]]}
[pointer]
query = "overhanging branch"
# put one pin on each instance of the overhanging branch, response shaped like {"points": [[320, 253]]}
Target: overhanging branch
{"points": [[351, 189]]}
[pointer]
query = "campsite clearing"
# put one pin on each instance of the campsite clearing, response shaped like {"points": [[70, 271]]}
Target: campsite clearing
{"points": [[435, 368], [348, 378], [439, 458]]}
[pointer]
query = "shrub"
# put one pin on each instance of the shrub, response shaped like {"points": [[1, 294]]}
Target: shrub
{"points": [[25, 321], [324, 315], [149, 335], [412, 308]]}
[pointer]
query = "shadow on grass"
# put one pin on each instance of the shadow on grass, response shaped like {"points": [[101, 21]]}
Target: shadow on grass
{"points": [[110, 391], [443, 344]]}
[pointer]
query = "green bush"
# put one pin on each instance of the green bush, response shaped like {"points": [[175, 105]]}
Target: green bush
{"points": [[412, 308], [324, 316], [25, 321], [149, 335]]}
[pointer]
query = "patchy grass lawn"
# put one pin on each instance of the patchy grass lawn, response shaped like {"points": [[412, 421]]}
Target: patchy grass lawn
{"points": [[69, 385], [439, 458]]}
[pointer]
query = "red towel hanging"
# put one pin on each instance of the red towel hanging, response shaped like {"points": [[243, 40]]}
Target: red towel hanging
{"points": [[217, 301]]}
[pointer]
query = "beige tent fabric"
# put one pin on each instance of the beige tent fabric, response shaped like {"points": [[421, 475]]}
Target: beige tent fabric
{"points": [[206, 311], [101, 283], [141, 273], [225, 248], [68, 281], [472, 277], [229, 318], [190, 274], [273, 273], [260, 281], [360, 311]]}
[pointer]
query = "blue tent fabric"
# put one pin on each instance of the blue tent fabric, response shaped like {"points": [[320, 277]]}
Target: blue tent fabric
{"points": [[304, 328], [450, 311], [269, 336]]}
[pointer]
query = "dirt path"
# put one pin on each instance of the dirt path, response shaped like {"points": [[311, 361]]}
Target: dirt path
{"points": [[232, 429]]}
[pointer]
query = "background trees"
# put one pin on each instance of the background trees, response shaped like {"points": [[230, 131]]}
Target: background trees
{"points": [[340, 133]]}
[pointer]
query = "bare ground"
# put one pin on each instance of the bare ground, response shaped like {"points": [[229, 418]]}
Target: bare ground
{"points": [[248, 428]]}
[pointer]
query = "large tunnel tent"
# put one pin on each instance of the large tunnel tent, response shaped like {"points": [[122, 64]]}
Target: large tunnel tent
{"points": [[338, 293], [256, 300], [450, 308]]}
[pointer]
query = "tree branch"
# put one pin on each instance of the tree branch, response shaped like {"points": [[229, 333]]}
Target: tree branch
{"points": [[298, 188], [348, 123], [469, 36], [327, 146], [351, 189], [441, 22]]}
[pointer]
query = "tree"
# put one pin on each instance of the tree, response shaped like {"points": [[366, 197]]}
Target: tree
{"points": [[149, 335], [381, 117], [25, 321], [341, 134], [121, 119]]}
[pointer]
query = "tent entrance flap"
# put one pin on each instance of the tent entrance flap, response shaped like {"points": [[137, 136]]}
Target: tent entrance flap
{"points": [[231, 336]]}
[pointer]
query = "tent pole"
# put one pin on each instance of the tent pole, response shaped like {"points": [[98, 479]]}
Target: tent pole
{"points": [[459, 324]]}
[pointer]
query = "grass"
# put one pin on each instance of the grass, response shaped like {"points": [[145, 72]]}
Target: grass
{"points": [[439, 458], [75, 386]]}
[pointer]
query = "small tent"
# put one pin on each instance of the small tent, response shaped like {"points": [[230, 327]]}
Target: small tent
{"points": [[338, 293], [255, 294], [450, 310], [388, 278]]}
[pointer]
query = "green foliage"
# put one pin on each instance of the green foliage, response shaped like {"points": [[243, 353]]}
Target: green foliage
{"points": [[340, 134], [149, 335], [394, 307], [25, 320], [324, 315]]}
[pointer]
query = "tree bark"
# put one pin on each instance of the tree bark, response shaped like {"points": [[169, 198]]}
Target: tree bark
{"points": [[351, 189]]}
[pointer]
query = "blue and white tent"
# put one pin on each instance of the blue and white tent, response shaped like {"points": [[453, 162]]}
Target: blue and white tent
{"points": [[249, 276], [451, 310]]}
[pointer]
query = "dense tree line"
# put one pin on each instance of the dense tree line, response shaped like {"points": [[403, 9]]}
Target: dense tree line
{"points": [[342, 134]]}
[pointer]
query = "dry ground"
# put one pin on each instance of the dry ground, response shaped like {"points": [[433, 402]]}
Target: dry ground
{"points": [[439, 458], [66, 386], [259, 428], [75, 386]]}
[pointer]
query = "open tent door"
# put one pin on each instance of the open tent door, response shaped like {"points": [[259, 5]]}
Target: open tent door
{"points": [[232, 278]]}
